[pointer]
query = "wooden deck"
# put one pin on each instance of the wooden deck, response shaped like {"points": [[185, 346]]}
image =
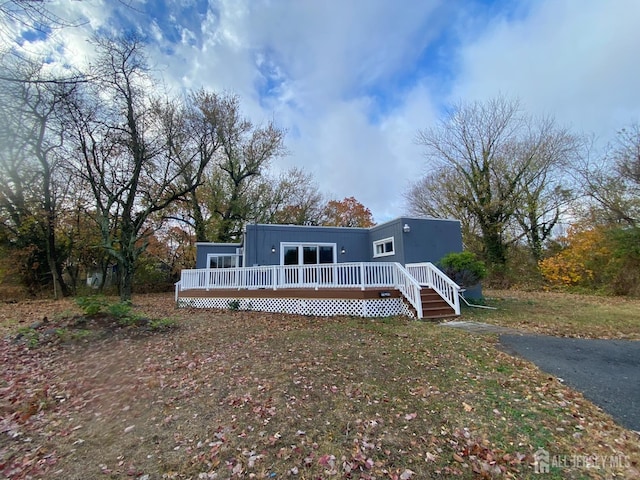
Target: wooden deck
{"points": [[326, 293], [434, 307], [349, 288]]}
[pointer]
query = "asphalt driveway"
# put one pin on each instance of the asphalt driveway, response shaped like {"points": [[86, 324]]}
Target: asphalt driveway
{"points": [[607, 372]]}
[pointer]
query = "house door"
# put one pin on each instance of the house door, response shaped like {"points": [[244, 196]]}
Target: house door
{"points": [[302, 254], [222, 269], [290, 256]]}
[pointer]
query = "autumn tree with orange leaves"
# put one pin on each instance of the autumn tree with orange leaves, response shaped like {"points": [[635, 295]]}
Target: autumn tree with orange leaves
{"points": [[347, 213]]}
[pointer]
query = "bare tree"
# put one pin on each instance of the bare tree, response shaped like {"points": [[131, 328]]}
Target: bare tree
{"points": [[612, 180], [545, 193], [436, 195], [191, 131], [229, 191], [291, 198], [490, 152], [627, 154], [31, 157], [19, 191], [245, 153], [133, 171]]}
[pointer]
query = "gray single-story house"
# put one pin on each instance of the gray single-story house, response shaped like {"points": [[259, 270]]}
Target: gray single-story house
{"points": [[403, 240], [303, 262]]}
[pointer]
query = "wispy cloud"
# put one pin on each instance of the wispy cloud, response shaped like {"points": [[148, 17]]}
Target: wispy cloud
{"points": [[574, 59], [353, 81]]}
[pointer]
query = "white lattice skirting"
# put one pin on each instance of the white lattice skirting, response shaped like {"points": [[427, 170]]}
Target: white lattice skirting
{"points": [[379, 307]]}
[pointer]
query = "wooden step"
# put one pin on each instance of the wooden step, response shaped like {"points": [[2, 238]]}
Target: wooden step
{"points": [[443, 312], [437, 308], [434, 306]]}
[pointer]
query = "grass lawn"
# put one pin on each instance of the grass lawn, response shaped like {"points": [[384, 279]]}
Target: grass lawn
{"points": [[229, 394], [553, 313]]}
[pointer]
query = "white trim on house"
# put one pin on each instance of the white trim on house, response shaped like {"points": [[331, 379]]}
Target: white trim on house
{"points": [[384, 244], [290, 225], [217, 244], [375, 227]]}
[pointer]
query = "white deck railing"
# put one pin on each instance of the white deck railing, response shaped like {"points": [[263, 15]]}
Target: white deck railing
{"points": [[410, 288], [335, 275], [430, 275]]}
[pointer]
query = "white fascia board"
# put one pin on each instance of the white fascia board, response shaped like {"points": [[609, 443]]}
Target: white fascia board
{"points": [[214, 244]]}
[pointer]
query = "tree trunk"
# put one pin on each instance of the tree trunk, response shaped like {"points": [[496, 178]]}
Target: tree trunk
{"points": [[495, 251], [126, 281], [198, 219], [59, 286], [127, 259]]}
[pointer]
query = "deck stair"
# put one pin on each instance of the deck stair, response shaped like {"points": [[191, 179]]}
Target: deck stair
{"points": [[434, 306]]}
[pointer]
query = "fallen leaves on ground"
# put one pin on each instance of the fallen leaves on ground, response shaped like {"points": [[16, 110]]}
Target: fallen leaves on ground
{"points": [[252, 395]]}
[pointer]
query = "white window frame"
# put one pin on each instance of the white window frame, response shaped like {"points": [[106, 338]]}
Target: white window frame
{"points": [[300, 245], [235, 256], [383, 242]]}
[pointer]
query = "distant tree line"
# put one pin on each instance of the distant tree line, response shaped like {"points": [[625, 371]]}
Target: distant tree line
{"points": [[532, 201], [103, 168]]}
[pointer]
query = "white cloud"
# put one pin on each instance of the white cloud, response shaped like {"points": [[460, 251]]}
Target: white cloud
{"points": [[351, 156], [345, 152], [321, 60], [575, 59], [350, 82]]}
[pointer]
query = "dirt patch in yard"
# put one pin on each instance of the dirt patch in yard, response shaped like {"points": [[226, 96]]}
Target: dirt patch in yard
{"points": [[251, 395]]}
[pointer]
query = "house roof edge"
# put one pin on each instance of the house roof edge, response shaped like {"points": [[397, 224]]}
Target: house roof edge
{"points": [[424, 218], [396, 219], [218, 244]]}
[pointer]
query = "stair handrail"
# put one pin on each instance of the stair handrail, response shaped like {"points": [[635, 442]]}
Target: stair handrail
{"points": [[409, 287], [426, 273]]}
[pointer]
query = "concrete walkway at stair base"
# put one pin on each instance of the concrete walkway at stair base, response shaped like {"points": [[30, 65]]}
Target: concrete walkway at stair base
{"points": [[477, 327]]}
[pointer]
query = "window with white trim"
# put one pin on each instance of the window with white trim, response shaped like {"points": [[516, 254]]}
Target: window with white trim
{"points": [[307, 253], [384, 247], [215, 260]]}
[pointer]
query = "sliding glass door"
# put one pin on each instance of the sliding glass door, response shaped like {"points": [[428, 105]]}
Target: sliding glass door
{"points": [[301, 254], [291, 256]]}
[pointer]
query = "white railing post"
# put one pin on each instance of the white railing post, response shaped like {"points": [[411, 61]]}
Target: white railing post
{"points": [[275, 273], [362, 277]]}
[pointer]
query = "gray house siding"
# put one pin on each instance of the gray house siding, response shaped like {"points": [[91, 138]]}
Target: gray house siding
{"points": [[203, 249], [260, 239], [427, 240]]}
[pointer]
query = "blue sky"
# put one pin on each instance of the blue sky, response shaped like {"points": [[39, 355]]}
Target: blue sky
{"points": [[353, 80]]}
